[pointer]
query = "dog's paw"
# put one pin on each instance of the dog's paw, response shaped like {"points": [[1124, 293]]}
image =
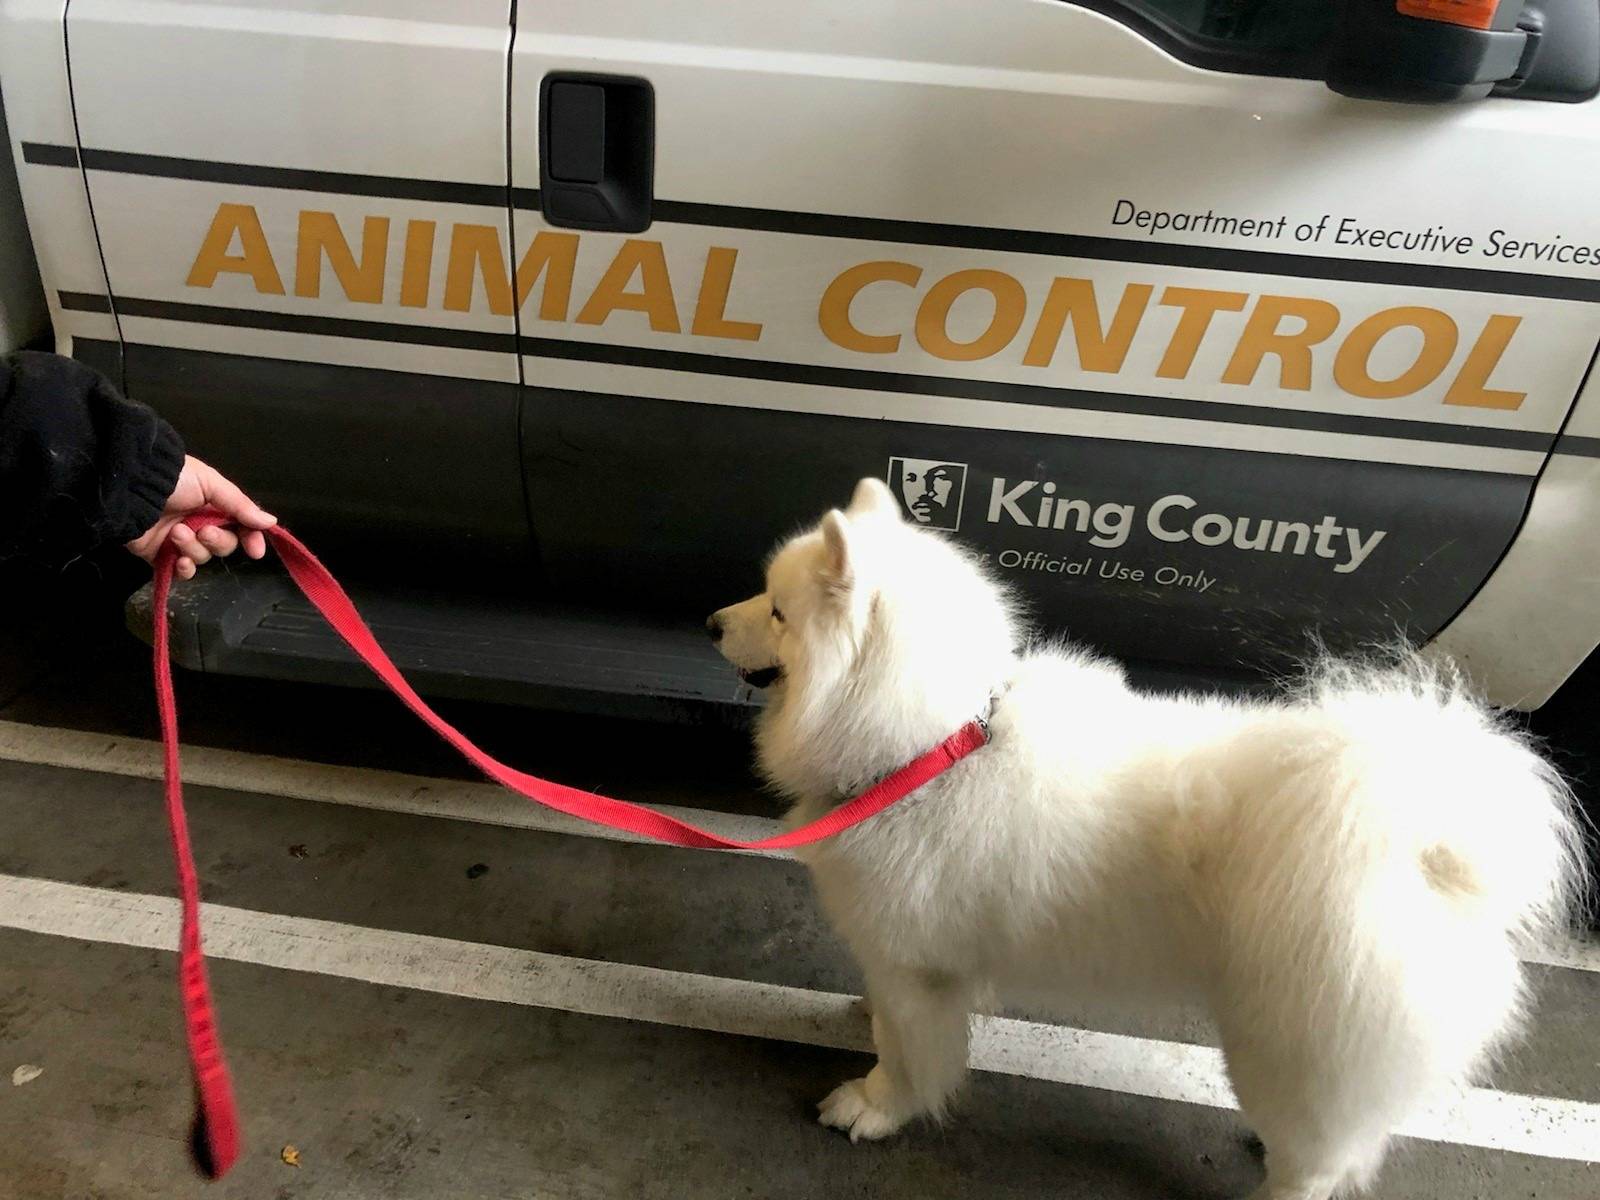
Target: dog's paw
{"points": [[851, 1108]]}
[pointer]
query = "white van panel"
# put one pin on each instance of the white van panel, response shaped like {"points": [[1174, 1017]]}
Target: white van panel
{"points": [[38, 103]]}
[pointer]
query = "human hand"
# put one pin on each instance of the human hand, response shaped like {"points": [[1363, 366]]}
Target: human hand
{"points": [[201, 486]]}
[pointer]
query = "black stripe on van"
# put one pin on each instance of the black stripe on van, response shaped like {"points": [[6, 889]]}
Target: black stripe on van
{"points": [[1109, 249], [388, 187], [1036, 394], [44, 155], [817, 376], [923, 233], [255, 318]]}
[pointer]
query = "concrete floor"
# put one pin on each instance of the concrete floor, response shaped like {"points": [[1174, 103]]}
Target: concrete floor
{"points": [[429, 992]]}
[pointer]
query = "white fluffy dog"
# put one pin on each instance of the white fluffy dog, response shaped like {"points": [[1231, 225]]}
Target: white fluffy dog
{"points": [[1342, 875]]}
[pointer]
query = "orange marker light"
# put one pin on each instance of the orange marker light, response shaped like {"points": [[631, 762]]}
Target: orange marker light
{"points": [[1474, 14]]}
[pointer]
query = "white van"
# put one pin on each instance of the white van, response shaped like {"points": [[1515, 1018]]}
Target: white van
{"points": [[1213, 324]]}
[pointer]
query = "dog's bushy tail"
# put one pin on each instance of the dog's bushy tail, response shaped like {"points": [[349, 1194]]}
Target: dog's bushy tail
{"points": [[1468, 799]]}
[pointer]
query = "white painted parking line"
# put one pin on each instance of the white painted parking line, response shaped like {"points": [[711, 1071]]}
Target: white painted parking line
{"points": [[1551, 1128], [1574, 955], [419, 795], [355, 787]]}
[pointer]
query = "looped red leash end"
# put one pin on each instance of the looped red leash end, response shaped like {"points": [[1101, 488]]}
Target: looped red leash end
{"points": [[214, 1142], [216, 1133]]}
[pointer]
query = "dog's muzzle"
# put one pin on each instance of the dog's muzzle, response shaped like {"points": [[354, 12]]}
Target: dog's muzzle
{"points": [[763, 677]]}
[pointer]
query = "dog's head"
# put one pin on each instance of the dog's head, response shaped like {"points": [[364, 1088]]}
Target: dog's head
{"points": [[867, 591], [812, 601]]}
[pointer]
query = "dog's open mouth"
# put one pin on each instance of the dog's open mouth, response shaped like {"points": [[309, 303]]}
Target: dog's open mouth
{"points": [[765, 677]]}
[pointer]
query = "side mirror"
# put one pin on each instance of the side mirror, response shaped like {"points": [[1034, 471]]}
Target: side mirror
{"points": [[1441, 51]]}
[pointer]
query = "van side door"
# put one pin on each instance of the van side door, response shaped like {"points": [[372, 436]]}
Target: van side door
{"points": [[1199, 355], [302, 211]]}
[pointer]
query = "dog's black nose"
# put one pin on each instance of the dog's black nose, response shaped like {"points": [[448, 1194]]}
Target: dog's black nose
{"points": [[714, 627]]}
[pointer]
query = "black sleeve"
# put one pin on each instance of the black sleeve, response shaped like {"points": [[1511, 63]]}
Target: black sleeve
{"points": [[80, 465]]}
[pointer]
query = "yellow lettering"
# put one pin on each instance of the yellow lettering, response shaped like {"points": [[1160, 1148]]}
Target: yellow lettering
{"points": [[1099, 349], [1351, 366], [475, 250], [1010, 303], [557, 252], [1261, 338], [654, 297], [1199, 306], [1470, 387], [833, 313], [320, 235], [710, 310], [416, 268], [254, 258]]}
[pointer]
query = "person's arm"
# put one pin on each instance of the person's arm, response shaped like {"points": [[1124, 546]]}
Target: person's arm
{"points": [[80, 466]]}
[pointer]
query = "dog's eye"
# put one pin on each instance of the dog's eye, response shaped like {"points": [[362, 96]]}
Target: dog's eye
{"points": [[776, 615]]}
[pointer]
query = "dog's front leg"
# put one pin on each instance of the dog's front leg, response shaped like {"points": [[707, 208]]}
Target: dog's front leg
{"points": [[919, 1028]]}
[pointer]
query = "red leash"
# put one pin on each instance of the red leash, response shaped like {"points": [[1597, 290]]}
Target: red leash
{"points": [[216, 1138]]}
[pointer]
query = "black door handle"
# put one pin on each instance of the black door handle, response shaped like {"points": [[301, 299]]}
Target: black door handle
{"points": [[597, 150]]}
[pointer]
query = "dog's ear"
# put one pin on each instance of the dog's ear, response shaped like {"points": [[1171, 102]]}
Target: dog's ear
{"points": [[873, 498], [837, 567]]}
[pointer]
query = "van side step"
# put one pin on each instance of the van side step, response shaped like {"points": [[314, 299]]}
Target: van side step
{"points": [[252, 621], [255, 622]]}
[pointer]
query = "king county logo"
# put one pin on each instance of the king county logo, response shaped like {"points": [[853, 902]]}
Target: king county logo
{"points": [[930, 490]]}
